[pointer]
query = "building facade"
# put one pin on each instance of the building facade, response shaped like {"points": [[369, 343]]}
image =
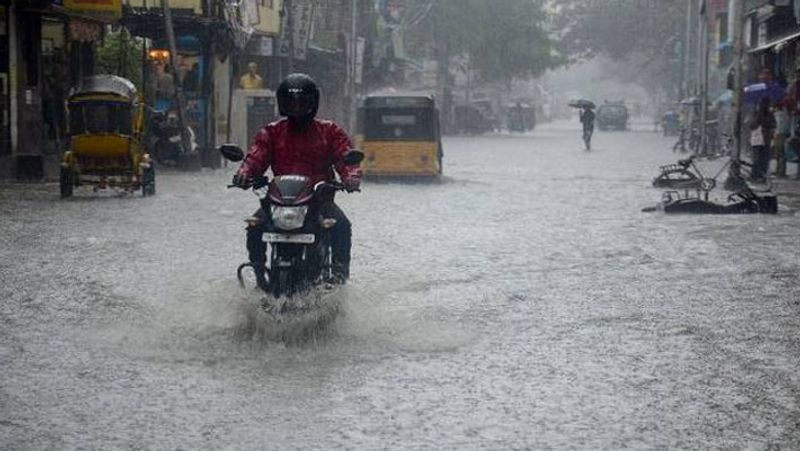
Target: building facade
{"points": [[772, 37], [45, 47]]}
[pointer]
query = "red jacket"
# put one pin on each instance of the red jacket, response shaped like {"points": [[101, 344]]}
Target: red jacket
{"points": [[312, 151]]}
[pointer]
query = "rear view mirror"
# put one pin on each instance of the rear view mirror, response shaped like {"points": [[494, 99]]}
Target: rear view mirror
{"points": [[231, 152], [353, 157]]}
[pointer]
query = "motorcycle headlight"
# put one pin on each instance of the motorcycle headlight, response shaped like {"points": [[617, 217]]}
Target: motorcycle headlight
{"points": [[289, 218]]}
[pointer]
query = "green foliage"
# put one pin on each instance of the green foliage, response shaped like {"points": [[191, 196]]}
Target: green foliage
{"points": [[644, 37], [120, 54], [618, 28], [503, 38]]}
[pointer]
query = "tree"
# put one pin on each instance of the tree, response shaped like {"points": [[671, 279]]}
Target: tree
{"points": [[502, 38], [120, 54], [644, 37]]}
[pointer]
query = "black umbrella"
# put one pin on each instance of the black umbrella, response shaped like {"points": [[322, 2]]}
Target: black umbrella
{"points": [[582, 103]]}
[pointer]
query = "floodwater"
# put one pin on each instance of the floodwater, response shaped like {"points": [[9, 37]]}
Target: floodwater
{"points": [[523, 303]]}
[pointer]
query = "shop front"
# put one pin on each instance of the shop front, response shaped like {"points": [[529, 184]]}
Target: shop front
{"points": [[189, 91], [46, 48]]}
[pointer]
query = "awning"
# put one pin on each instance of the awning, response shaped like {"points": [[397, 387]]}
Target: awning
{"points": [[775, 43], [57, 10]]}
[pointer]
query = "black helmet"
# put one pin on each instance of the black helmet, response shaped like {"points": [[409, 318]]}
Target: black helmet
{"points": [[298, 97]]}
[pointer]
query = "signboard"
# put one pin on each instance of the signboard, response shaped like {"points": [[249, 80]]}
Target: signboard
{"points": [[762, 34], [360, 44], [260, 45], [797, 11], [269, 20], [83, 31], [251, 9], [302, 14], [184, 6], [748, 32], [102, 9]]}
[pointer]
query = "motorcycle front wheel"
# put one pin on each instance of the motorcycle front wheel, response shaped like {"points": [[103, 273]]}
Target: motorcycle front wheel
{"points": [[280, 284]]}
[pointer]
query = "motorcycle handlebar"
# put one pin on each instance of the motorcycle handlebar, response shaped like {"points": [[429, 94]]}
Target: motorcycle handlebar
{"points": [[335, 186], [255, 182], [261, 181]]}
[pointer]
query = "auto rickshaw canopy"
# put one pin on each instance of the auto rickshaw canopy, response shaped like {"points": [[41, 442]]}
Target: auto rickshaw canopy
{"points": [[102, 104], [104, 85]]}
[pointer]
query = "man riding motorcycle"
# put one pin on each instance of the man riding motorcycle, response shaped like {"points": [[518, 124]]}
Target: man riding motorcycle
{"points": [[301, 145]]}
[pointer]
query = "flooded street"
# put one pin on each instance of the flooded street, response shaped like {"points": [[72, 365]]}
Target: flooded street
{"points": [[524, 303]]}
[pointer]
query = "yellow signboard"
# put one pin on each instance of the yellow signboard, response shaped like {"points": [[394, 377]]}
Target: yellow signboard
{"points": [[269, 19], [196, 6], [103, 9]]}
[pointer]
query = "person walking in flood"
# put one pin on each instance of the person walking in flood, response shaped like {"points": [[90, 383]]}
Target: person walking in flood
{"points": [[587, 119], [762, 130]]}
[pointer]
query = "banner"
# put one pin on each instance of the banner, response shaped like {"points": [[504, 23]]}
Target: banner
{"points": [[102, 9], [84, 31], [302, 14]]}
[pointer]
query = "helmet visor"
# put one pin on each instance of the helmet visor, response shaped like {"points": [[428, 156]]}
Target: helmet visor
{"points": [[298, 103]]}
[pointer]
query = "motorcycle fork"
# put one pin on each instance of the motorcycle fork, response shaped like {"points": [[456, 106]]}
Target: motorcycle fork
{"points": [[292, 258]]}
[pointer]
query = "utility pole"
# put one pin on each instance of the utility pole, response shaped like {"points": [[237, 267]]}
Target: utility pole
{"points": [[685, 52], [442, 51], [353, 62], [173, 58], [703, 54], [734, 175], [287, 4]]}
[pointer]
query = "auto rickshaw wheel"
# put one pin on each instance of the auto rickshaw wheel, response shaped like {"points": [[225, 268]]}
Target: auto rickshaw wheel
{"points": [[66, 182], [149, 181]]}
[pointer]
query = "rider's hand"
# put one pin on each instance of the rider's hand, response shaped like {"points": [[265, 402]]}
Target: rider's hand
{"points": [[241, 181], [352, 183]]}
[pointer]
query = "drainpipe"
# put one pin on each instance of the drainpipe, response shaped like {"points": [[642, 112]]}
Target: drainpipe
{"points": [[734, 175], [13, 75], [687, 53], [290, 33], [703, 47], [353, 59]]}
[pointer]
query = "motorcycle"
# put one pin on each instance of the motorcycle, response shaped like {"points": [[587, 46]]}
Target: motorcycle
{"points": [[165, 140], [296, 228]]}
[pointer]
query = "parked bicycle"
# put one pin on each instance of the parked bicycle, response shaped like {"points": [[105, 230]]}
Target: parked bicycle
{"points": [[685, 174], [688, 140]]}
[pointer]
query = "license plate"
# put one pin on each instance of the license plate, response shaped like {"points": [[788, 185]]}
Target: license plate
{"points": [[299, 238]]}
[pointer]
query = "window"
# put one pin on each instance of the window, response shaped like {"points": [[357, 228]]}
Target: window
{"points": [[98, 117], [394, 119], [400, 124]]}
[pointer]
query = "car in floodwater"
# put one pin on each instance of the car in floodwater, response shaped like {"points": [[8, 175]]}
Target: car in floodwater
{"points": [[612, 116]]}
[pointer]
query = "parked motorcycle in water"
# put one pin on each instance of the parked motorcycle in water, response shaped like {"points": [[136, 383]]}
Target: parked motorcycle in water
{"points": [[296, 228], [165, 140]]}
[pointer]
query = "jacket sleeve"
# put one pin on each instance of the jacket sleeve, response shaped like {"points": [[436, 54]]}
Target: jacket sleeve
{"points": [[259, 157], [341, 144]]}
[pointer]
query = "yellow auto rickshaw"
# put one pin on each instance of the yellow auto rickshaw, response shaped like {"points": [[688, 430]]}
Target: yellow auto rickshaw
{"points": [[400, 137], [106, 126]]}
